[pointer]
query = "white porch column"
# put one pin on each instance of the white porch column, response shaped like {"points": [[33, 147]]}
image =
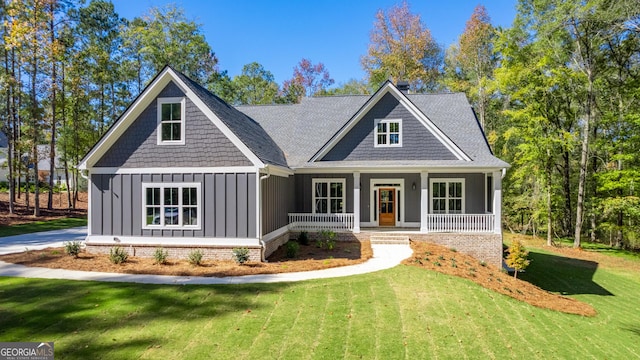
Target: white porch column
{"points": [[424, 200], [497, 202], [356, 202]]}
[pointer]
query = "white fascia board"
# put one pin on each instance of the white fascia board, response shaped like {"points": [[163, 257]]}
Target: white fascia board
{"points": [[277, 171], [175, 170], [123, 123], [396, 169], [217, 122]]}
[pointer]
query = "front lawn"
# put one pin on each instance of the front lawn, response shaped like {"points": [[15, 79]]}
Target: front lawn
{"points": [[402, 313], [37, 226]]}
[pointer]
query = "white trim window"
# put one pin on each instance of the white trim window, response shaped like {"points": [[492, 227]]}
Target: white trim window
{"points": [[171, 119], [329, 196], [174, 206], [388, 133], [447, 196]]}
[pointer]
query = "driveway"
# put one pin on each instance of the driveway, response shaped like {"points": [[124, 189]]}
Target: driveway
{"points": [[41, 240]]}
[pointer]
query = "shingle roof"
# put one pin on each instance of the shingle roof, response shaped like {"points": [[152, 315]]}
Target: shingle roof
{"points": [[251, 133], [303, 129]]}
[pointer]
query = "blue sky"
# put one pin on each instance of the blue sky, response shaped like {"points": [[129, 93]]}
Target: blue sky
{"points": [[278, 33]]}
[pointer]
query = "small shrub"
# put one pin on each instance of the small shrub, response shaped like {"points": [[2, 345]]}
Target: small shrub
{"points": [[292, 249], [72, 248], [118, 255], [436, 263], [160, 256], [328, 239], [440, 257], [303, 238], [453, 250], [517, 258], [195, 257], [241, 255], [483, 263]]}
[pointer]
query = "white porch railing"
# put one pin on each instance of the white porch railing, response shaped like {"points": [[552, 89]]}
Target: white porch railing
{"points": [[316, 222], [473, 223]]}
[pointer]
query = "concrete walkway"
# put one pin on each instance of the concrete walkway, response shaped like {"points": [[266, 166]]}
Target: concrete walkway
{"points": [[384, 257]]}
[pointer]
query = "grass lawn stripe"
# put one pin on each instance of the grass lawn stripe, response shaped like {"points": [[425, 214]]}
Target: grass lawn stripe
{"points": [[307, 319], [417, 307], [363, 341], [388, 320], [473, 329], [348, 318]]}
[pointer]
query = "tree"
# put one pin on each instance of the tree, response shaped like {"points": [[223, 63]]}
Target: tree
{"points": [[402, 48], [255, 85], [351, 87], [469, 64], [308, 79], [167, 37], [517, 258]]}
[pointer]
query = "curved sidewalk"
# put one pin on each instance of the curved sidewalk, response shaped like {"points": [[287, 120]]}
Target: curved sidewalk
{"points": [[384, 257]]}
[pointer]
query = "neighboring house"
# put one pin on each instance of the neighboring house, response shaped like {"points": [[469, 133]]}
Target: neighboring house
{"points": [[44, 162], [182, 169]]}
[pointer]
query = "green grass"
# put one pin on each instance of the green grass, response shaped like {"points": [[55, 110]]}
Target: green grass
{"points": [[37, 226], [401, 313], [601, 248]]}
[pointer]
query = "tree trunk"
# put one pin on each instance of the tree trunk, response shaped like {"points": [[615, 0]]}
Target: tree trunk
{"points": [[566, 177], [52, 147], [9, 128], [582, 181], [65, 152]]}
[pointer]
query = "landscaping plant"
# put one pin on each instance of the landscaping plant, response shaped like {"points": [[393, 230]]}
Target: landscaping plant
{"points": [[292, 249], [160, 256], [327, 239], [118, 255], [241, 255], [303, 238], [517, 258], [72, 248], [195, 257]]}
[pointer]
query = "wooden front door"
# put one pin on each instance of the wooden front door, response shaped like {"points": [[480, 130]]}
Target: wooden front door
{"points": [[387, 207]]}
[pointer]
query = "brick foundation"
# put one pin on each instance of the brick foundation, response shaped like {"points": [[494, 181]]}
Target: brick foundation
{"points": [[175, 251], [485, 247]]}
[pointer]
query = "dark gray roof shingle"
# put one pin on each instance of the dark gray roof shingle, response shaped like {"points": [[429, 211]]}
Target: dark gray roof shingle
{"points": [[244, 127], [303, 129]]}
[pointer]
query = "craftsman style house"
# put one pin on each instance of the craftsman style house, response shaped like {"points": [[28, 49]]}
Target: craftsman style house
{"points": [[182, 169]]}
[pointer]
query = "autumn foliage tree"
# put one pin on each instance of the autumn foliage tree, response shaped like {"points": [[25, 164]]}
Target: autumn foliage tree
{"points": [[469, 64], [308, 80], [518, 257], [402, 48]]}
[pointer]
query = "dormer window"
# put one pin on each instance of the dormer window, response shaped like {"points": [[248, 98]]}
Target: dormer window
{"points": [[388, 133], [171, 114]]}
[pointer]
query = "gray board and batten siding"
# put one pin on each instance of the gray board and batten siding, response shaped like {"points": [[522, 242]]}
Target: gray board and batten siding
{"points": [[277, 202], [138, 147], [418, 143], [228, 208]]}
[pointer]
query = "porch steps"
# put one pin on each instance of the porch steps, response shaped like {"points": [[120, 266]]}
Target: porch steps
{"points": [[389, 239]]}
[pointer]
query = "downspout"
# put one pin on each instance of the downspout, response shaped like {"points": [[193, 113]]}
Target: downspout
{"points": [[262, 244]]}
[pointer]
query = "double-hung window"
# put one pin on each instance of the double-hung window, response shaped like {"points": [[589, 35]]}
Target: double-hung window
{"points": [[447, 196], [388, 132], [329, 196], [171, 205], [171, 117]]}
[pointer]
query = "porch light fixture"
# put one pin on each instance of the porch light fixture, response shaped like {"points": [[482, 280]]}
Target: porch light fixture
{"points": [[413, 186]]}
